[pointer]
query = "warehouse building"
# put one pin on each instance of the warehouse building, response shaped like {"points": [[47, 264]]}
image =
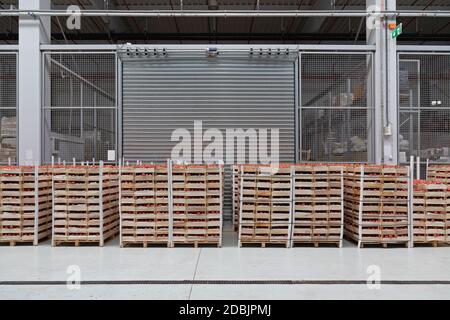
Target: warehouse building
{"points": [[333, 81]]}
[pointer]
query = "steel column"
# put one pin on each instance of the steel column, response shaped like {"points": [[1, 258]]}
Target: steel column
{"points": [[32, 33]]}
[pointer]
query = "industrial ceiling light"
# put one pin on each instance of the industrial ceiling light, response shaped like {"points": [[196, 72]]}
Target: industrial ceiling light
{"points": [[213, 5]]}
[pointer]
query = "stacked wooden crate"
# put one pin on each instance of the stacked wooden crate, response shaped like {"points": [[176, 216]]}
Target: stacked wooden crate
{"points": [[85, 204], [25, 204], [318, 215], [377, 204], [144, 205], [236, 195], [440, 173], [197, 204], [431, 213], [8, 139], [265, 205]]}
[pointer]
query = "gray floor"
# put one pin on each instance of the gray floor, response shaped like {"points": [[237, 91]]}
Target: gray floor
{"points": [[400, 270]]}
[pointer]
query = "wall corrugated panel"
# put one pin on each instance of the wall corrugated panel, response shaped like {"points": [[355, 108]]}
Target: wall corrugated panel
{"points": [[162, 95]]}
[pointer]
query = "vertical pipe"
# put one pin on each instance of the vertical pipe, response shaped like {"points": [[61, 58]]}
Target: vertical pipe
{"points": [[100, 184], [410, 208], [342, 208], [361, 199], [411, 164], [120, 204], [36, 205], [221, 201], [170, 200], [292, 207], [53, 209], [418, 168], [240, 205]]}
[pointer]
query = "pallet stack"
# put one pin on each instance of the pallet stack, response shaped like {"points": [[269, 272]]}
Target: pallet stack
{"points": [[265, 205], [144, 205], [197, 204], [431, 213], [318, 216], [25, 204], [377, 204], [440, 173], [236, 195], [85, 204]]}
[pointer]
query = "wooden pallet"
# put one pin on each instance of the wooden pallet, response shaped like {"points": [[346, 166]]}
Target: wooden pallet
{"points": [[264, 244], [316, 243], [376, 204], [431, 213], [83, 198], [196, 243], [145, 244], [25, 204], [144, 204], [197, 204], [317, 204]]}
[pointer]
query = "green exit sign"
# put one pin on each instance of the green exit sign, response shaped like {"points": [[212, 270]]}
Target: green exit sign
{"points": [[397, 31]]}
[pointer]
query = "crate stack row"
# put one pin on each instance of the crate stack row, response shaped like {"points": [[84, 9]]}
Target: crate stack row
{"points": [[85, 204], [197, 204], [377, 204], [25, 204], [431, 213], [318, 215], [265, 205], [171, 204], [144, 205]]}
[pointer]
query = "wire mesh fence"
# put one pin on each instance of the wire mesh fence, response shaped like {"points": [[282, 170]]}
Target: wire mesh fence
{"points": [[424, 102], [80, 107], [336, 111], [8, 108]]}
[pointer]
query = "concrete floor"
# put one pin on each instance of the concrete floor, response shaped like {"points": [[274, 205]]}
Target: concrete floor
{"points": [[401, 271]]}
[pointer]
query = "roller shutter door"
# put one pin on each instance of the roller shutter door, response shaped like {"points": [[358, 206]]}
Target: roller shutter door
{"points": [[162, 95]]}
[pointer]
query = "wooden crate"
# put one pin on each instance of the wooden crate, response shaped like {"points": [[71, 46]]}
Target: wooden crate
{"points": [[318, 204], [265, 205], [85, 204], [144, 205], [197, 204], [376, 204], [431, 213], [25, 204], [439, 173]]}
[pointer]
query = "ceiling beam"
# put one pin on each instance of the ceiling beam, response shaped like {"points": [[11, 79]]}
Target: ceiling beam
{"points": [[180, 36]]}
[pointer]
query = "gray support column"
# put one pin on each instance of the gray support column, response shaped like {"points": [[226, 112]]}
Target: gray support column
{"points": [[32, 33], [385, 119]]}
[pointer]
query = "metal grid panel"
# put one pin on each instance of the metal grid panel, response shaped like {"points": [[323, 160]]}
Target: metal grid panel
{"points": [[80, 106], [424, 106], [335, 111], [8, 107]]}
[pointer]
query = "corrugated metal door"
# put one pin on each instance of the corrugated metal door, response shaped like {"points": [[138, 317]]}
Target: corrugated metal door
{"points": [[161, 95]]}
